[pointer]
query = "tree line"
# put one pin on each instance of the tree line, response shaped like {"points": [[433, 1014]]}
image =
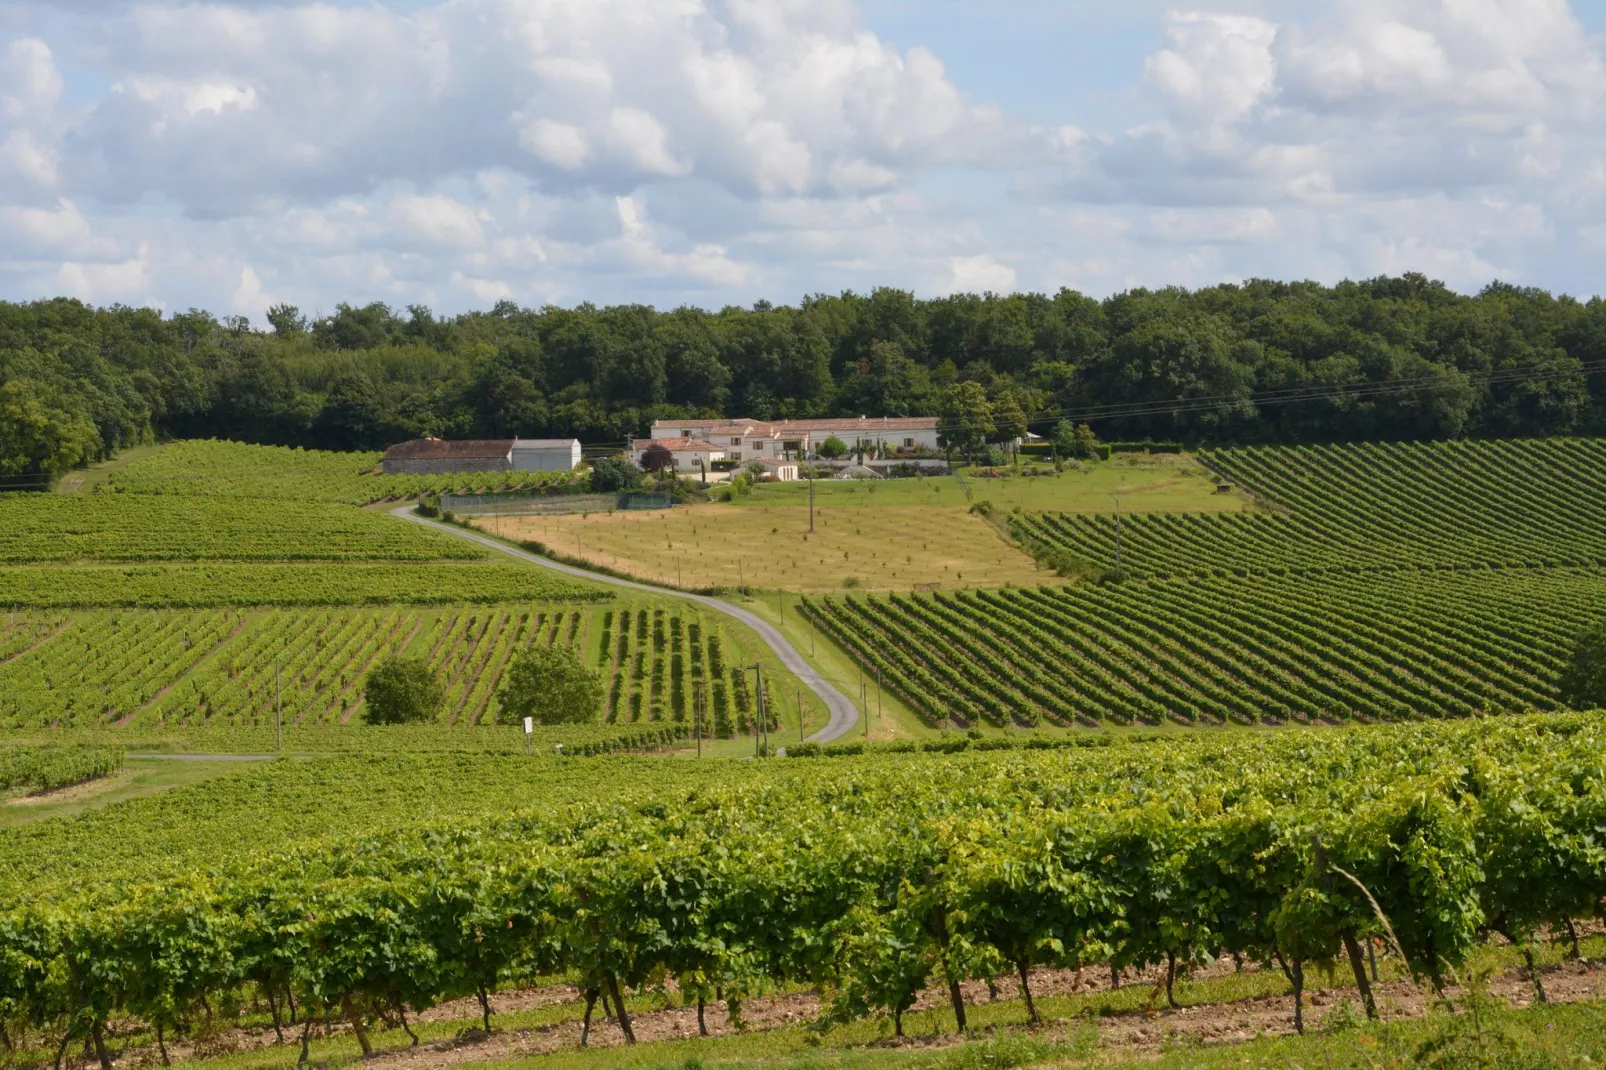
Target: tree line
{"points": [[1265, 361]]}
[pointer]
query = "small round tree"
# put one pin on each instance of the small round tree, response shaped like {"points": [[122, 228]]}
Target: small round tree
{"points": [[402, 691], [552, 685], [656, 458], [832, 448], [1583, 681]]}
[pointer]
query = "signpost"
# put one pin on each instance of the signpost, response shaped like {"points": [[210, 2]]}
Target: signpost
{"points": [[529, 730]]}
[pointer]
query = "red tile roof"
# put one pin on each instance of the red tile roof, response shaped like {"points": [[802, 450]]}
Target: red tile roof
{"points": [[673, 444], [439, 449]]}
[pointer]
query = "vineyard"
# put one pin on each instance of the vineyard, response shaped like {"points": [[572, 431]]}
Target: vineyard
{"points": [[225, 668], [194, 586], [1275, 649], [53, 527], [205, 468], [36, 769], [1365, 508], [868, 878]]}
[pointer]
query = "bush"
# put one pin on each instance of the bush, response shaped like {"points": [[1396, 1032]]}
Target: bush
{"points": [[833, 448], [552, 685], [803, 750], [402, 691], [983, 508], [614, 474]]}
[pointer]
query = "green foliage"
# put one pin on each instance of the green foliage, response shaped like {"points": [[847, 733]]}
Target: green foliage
{"points": [[1212, 651], [402, 690], [47, 768], [832, 448], [964, 418], [39, 439], [284, 585], [551, 685], [1366, 508], [614, 473], [875, 874], [137, 527], [1583, 681]]}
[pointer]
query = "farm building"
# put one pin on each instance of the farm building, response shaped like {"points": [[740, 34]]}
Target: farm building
{"points": [[437, 456], [747, 440], [686, 454], [781, 471], [545, 454]]}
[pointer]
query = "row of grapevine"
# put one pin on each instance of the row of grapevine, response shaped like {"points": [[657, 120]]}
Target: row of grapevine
{"points": [[45, 768], [54, 527], [1224, 651], [105, 667], [664, 665], [147, 669], [869, 878], [188, 586], [1365, 507], [210, 468]]}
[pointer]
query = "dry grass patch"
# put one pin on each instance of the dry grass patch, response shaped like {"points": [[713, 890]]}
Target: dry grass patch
{"points": [[872, 548]]}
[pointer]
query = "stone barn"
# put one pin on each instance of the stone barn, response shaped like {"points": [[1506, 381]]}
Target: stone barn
{"points": [[437, 456]]}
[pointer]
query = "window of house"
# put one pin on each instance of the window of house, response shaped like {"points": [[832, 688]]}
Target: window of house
{"points": [[758, 447], [736, 456], [908, 443], [685, 433], [736, 442]]}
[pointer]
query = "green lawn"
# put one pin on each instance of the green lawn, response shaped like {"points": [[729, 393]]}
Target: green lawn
{"points": [[1159, 483]]}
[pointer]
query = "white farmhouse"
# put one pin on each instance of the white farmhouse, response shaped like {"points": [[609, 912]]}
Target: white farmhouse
{"points": [[748, 440], [688, 454]]}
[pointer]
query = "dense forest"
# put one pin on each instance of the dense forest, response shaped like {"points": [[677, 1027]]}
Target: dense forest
{"points": [[1388, 358]]}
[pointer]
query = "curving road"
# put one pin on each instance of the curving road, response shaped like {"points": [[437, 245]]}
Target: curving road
{"points": [[844, 715]]}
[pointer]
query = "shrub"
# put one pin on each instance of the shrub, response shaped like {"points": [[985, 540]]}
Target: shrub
{"points": [[552, 685], [402, 691], [613, 474], [833, 448], [1583, 681]]}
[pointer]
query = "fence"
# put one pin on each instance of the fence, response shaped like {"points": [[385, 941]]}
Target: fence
{"points": [[548, 504]]}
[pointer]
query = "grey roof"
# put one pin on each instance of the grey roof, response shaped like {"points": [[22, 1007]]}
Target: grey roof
{"points": [[545, 443]]}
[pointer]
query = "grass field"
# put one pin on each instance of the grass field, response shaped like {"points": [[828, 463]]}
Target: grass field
{"points": [[893, 547], [140, 777]]}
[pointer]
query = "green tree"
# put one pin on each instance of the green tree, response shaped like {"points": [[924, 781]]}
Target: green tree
{"points": [[1583, 681], [614, 473], [832, 448], [37, 438], [1074, 440], [964, 418], [552, 685], [402, 691], [1009, 421]]}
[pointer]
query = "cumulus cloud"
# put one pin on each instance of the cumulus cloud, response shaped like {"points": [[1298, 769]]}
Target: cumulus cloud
{"points": [[227, 152]]}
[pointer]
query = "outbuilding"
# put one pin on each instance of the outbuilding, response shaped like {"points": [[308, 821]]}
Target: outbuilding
{"points": [[779, 470], [545, 454]]}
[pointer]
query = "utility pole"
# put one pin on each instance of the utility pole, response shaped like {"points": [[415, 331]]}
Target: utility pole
{"points": [[758, 674], [811, 501], [800, 715], [878, 694], [864, 704], [780, 606]]}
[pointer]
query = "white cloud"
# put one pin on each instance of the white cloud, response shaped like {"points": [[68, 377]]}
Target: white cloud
{"points": [[1215, 67], [978, 274], [462, 151], [438, 220]]}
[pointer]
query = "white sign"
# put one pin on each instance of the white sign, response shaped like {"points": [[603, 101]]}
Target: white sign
{"points": [[529, 725]]}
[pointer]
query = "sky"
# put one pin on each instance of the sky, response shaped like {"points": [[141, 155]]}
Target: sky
{"points": [[455, 153]]}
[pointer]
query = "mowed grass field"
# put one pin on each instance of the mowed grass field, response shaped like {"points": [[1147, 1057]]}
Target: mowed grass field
{"points": [[872, 535]]}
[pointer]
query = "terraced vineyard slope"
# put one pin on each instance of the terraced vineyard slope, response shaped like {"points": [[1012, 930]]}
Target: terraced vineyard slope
{"points": [[1273, 649], [1366, 508]]}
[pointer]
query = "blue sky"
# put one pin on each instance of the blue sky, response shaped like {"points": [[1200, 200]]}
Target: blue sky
{"points": [[237, 153]]}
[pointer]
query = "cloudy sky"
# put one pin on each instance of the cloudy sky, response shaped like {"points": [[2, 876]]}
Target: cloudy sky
{"points": [[456, 152]]}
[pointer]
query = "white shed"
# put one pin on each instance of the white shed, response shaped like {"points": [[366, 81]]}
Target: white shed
{"points": [[545, 454]]}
